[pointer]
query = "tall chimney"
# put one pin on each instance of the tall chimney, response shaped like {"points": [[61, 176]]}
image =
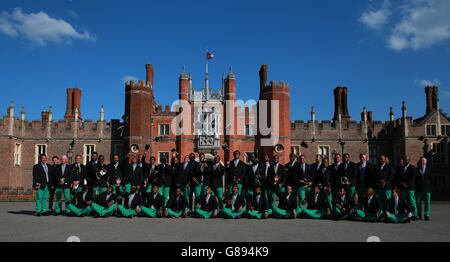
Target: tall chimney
{"points": [[344, 102], [69, 105], [337, 102], [263, 76], [149, 74], [429, 99]]}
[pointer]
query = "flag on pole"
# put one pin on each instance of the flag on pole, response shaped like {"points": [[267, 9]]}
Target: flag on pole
{"points": [[209, 55]]}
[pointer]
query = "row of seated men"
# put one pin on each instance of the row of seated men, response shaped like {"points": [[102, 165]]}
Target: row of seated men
{"points": [[281, 186]]}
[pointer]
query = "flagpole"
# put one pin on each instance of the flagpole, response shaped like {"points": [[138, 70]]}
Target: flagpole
{"points": [[206, 76]]}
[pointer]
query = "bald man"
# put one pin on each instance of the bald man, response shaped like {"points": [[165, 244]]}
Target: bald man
{"points": [[63, 180]]}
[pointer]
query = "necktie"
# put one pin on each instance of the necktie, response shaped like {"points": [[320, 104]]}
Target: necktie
{"points": [[233, 200], [63, 169], [130, 200], [46, 171], [303, 168]]}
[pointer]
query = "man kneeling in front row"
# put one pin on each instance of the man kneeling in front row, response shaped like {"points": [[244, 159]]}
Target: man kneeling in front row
{"points": [[207, 206]]}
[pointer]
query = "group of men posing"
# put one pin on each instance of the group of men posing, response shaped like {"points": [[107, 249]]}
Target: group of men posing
{"points": [[208, 189]]}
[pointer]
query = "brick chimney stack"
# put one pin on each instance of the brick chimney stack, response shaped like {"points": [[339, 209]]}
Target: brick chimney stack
{"points": [[341, 104], [73, 102]]}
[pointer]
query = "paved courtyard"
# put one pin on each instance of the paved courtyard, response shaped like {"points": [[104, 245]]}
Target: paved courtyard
{"points": [[18, 223]]}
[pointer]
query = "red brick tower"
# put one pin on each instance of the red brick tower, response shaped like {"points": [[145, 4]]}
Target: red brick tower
{"points": [[73, 102], [184, 142], [280, 93], [139, 106], [230, 116]]}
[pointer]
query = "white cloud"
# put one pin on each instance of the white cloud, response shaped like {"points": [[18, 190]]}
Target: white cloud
{"points": [[128, 78], [40, 28], [376, 19], [423, 24], [425, 82]]}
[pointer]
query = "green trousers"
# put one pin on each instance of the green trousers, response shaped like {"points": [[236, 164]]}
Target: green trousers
{"points": [[99, 190], [164, 191], [150, 212], [172, 213], [400, 218], [352, 191], [282, 213], [219, 193], [42, 196], [383, 195], [59, 192], [203, 214], [199, 189], [272, 195], [103, 211], [365, 217], [258, 214], [126, 212], [336, 212], [78, 211], [302, 193], [411, 197], [128, 188], [426, 198], [228, 213], [313, 213]]}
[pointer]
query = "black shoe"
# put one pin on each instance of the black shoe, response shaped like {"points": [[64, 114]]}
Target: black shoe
{"points": [[38, 214], [56, 214], [427, 218], [414, 218], [419, 218]]}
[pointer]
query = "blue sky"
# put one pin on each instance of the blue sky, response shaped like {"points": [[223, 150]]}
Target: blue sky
{"points": [[384, 51]]}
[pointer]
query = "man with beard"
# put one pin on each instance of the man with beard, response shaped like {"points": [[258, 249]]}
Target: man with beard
{"points": [[101, 177], [348, 169], [255, 176], [277, 180], [106, 204], [114, 169]]}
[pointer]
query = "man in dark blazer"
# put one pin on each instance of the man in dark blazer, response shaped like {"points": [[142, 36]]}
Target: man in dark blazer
{"points": [[348, 169], [51, 185], [201, 175], [258, 206], [305, 178], [79, 170], [153, 203], [234, 204], [216, 180], [406, 182], [236, 172], [131, 206], [106, 203], [287, 206], [334, 173], [343, 205], [364, 175], [134, 176], [256, 176], [423, 188], [277, 180], [42, 176], [91, 169], [177, 207], [182, 173], [315, 167], [369, 209], [316, 205], [114, 169], [383, 177], [63, 180], [398, 210], [292, 172], [164, 181], [207, 205], [101, 179], [82, 199]]}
